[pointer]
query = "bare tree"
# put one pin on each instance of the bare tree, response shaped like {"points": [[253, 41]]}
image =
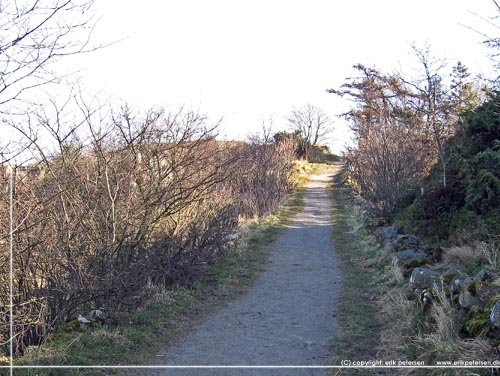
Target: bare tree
{"points": [[265, 136], [439, 103], [492, 40], [34, 35], [402, 126], [312, 122], [390, 156]]}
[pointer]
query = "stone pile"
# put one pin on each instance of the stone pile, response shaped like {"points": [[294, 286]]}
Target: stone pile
{"points": [[477, 296]]}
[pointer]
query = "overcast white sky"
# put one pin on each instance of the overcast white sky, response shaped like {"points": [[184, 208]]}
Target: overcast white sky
{"points": [[243, 60]]}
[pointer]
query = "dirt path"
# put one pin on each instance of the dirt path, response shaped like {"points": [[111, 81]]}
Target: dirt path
{"points": [[288, 316]]}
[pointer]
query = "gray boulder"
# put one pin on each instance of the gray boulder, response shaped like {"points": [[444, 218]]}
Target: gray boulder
{"points": [[97, 315], [495, 314], [385, 235], [485, 291], [486, 276], [403, 242], [467, 298], [452, 268], [456, 282], [412, 258], [424, 278], [410, 255], [478, 290]]}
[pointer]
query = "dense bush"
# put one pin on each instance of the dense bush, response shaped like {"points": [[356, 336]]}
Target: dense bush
{"points": [[473, 191]]}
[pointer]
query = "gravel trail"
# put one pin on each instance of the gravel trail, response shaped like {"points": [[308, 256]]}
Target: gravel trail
{"points": [[288, 316]]}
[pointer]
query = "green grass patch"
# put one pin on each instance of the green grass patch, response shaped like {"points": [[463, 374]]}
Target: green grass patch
{"points": [[170, 312]]}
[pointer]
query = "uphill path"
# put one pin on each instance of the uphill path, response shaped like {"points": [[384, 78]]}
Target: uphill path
{"points": [[287, 318]]}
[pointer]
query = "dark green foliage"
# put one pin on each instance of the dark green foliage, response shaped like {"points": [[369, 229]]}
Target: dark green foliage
{"points": [[432, 213], [470, 203], [481, 155], [438, 202], [480, 150], [483, 189], [466, 224], [482, 127]]}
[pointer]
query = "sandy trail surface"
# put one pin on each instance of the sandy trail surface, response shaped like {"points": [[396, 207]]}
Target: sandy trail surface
{"points": [[287, 318]]}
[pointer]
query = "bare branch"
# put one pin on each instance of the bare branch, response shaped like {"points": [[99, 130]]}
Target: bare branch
{"points": [[34, 36]]}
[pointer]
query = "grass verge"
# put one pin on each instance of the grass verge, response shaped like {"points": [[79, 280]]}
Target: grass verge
{"points": [[358, 333], [170, 312]]}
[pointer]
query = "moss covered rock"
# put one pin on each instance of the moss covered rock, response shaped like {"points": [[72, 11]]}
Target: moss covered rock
{"points": [[477, 321], [453, 268], [486, 291], [411, 259]]}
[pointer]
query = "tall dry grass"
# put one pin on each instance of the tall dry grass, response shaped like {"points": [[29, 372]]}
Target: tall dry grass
{"points": [[441, 341], [429, 334]]}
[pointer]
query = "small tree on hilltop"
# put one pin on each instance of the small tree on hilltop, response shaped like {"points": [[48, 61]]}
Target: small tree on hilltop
{"points": [[312, 123]]}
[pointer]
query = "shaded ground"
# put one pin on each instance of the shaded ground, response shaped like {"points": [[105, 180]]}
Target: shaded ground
{"points": [[288, 316]]}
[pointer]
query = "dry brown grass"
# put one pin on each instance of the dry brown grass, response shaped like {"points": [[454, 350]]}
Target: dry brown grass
{"points": [[465, 253], [485, 253], [491, 252], [442, 342], [397, 272], [399, 315], [430, 336]]}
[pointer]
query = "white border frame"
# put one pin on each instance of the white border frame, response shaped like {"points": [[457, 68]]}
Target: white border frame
{"points": [[11, 269], [243, 367]]}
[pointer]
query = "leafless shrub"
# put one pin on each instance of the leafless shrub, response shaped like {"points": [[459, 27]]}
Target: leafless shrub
{"points": [[264, 177], [122, 205], [401, 127], [33, 36], [387, 167], [391, 155]]}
